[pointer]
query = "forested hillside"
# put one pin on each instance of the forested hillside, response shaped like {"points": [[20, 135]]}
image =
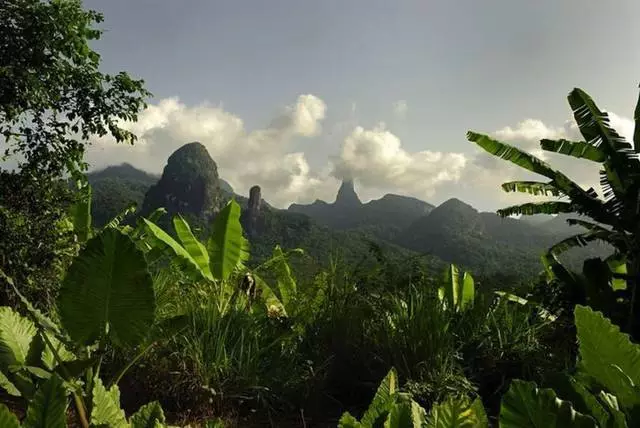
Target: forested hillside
{"points": [[130, 300]]}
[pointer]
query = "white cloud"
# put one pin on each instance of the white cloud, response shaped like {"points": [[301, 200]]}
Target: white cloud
{"points": [[484, 173], [376, 159], [400, 109], [244, 157]]}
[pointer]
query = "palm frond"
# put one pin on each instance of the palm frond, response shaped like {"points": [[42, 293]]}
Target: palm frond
{"points": [[577, 149], [621, 159], [532, 208], [535, 188], [512, 154], [582, 240], [594, 124]]}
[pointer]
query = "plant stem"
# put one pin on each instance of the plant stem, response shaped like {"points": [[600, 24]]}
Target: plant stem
{"points": [[130, 364], [634, 282], [79, 401]]}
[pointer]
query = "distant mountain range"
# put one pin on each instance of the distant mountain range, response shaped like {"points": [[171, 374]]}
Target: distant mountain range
{"points": [[453, 232]]}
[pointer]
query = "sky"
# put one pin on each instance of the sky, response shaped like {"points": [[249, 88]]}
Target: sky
{"points": [[296, 95]]}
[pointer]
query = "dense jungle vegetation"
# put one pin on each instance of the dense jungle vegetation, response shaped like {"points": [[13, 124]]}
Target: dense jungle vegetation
{"points": [[157, 315]]}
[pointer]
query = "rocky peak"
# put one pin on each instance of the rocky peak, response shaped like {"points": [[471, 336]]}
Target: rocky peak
{"points": [[189, 184], [252, 214], [347, 196]]}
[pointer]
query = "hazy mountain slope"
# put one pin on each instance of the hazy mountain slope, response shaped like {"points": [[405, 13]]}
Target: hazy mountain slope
{"points": [[115, 187], [384, 217], [483, 242]]}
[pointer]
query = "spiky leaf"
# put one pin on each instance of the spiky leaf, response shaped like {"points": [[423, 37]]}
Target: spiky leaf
{"points": [[108, 285], [525, 405], [48, 407], [106, 409], [193, 246], [227, 247]]}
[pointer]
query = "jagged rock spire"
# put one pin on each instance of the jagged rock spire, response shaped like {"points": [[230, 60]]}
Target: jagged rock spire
{"points": [[347, 195]]}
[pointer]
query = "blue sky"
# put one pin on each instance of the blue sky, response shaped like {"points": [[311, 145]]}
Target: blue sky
{"points": [[454, 64]]}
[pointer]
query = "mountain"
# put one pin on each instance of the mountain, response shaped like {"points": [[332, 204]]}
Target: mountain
{"points": [[189, 185], [384, 217], [116, 187], [485, 242]]}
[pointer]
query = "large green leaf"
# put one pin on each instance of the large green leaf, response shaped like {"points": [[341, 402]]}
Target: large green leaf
{"points": [[287, 286], [147, 416], [458, 413], [108, 289], [8, 419], [570, 389], [347, 420], [581, 240], [458, 290], [535, 188], [8, 386], [532, 208], [608, 355], [49, 406], [405, 413], [512, 154], [81, 214], [227, 247], [16, 334], [175, 247], [195, 248], [525, 405], [115, 222], [594, 126], [271, 300], [577, 149], [106, 411], [618, 265], [382, 401]]}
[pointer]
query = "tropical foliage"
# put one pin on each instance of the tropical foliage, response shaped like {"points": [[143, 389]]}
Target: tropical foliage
{"points": [[613, 218]]}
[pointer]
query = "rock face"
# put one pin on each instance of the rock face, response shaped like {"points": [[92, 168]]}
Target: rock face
{"points": [[347, 196], [253, 210], [189, 184]]}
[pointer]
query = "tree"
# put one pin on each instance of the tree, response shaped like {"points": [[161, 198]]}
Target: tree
{"points": [[53, 98], [615, 217], [52, 95]]}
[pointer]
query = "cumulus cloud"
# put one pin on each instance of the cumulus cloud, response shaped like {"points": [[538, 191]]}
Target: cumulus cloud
{"points": [[400, 109], [484, 173], [376, 159], [244, 157]]}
